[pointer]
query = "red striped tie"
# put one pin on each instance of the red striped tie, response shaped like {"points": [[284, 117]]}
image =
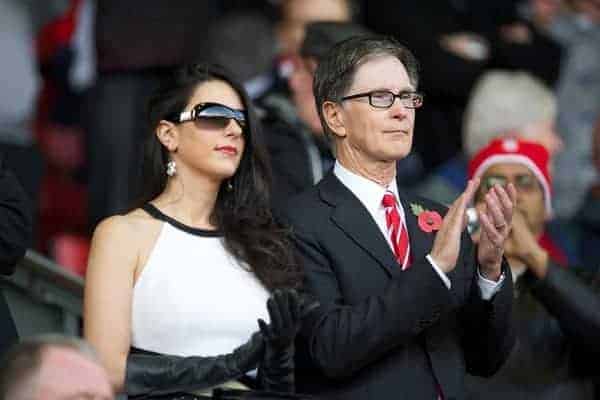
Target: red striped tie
{"points": [[396, 230]]}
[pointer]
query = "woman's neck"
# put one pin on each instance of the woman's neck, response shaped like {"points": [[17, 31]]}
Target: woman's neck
{"points": [[191, 203]]}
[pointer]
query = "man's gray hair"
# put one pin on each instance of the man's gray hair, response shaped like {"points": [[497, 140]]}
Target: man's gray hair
{"points": [[20, 366], [503, 102]]}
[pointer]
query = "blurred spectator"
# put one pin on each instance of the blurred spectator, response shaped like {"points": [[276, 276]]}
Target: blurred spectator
{"points": [[501, 103], [588, 216], [540, 13], [300, 154], [295, 14], [456, 42], [19, 85], [556, 314], [15, 237], [512, 104], [578, 101], [136, 42], [53, 367], [67, 64], [244, 42]]}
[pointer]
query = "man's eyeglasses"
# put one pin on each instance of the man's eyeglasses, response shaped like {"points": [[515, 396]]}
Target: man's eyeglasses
{"points": [[522, 182], [217, 114], [385, 98]]}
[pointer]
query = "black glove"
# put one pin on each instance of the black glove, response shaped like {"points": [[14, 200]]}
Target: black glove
{"points": [[276, 372], [157, 374]]}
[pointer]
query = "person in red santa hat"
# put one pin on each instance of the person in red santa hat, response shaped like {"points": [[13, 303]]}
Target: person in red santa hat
{"points": [[557, 315]]}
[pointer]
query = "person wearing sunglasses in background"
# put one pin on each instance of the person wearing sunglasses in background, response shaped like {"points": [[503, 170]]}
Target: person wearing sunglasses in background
{"points": [[408, 305], [182, 279], [557, 315]]}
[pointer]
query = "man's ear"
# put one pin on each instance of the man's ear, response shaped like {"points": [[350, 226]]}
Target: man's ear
{"points": [[167, 134], [334, 117]]}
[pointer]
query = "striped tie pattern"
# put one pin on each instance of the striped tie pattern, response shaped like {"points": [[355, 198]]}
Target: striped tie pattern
{"points": [[396, 230]]}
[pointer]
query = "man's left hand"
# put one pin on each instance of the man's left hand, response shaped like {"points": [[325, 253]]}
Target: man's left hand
{"points": [[495, 219]]}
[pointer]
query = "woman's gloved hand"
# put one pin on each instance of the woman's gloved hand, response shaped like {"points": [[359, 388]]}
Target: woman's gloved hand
{"points": [[286, 308], [284, 312]]}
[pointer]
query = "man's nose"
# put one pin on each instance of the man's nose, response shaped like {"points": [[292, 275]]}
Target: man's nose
{"points": [[398, 110]]}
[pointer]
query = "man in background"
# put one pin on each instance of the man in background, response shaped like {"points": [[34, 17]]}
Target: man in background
{"points": [[299, 152], [53, 367], [555, 313]]}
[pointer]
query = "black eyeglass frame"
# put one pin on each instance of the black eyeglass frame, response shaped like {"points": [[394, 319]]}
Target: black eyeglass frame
{"points": [[402, 96], [196, 112]]}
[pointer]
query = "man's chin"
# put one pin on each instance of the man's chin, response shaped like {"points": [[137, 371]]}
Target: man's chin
{"points": [[399, 154]]}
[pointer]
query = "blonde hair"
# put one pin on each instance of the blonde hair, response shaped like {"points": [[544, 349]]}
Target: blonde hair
{"points": [[503, 102]]}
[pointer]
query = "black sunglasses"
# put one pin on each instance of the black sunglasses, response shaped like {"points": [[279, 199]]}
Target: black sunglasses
{"points": [[215, 113]]}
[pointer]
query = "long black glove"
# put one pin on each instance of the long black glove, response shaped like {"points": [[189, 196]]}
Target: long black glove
{"points": [[157, 374], [286, 309]]}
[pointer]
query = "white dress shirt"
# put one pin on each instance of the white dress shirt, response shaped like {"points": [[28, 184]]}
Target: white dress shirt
{"points": [[371, 194]]}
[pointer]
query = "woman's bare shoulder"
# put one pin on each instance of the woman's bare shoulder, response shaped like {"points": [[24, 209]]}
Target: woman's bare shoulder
{"points": [[133, 226]]}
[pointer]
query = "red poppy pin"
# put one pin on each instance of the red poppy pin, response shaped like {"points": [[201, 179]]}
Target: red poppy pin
{"points": [[428, 220]]}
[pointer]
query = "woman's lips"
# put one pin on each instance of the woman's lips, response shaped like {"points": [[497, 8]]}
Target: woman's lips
{"points": [[229, 150]]}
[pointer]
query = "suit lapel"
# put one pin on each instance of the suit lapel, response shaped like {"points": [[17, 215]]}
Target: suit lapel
{"points": [[354, 220]]}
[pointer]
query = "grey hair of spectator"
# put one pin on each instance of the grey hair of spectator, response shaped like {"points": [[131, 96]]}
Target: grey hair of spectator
{"points": [[503, 102], [20, 365], [335, 72]]}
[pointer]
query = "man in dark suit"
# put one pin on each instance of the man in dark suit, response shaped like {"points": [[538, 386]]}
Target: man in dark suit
{"points": [[408, 304], [15, 235]]}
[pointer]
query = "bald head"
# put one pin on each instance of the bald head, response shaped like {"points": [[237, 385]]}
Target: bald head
{"points": [[53, 368]]}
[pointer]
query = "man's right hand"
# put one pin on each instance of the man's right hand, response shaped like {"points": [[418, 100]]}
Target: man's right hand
{"points": [[446, 246]]}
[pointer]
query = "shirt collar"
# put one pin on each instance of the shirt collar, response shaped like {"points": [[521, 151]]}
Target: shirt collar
{"points": [[368, 192]]}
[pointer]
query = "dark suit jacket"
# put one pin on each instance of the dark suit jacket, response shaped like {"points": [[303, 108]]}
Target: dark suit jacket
{"points": [[382, 333], [15, 235]]}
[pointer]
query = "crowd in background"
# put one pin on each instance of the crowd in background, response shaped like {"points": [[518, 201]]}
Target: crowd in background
{"points": [[511, 93], [76, 83]]}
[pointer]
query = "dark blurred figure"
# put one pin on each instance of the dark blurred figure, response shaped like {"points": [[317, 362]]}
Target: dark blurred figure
{"points": [[15, 237], [556, 314], [136, 42], [244, 42], [19, 86], [456, 41], [588, 216]]}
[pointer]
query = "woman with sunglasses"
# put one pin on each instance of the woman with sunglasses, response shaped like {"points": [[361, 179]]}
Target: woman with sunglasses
{"points": [[175, 287]]}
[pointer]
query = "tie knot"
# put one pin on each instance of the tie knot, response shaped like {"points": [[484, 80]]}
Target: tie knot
{"points": [[389, 200]]}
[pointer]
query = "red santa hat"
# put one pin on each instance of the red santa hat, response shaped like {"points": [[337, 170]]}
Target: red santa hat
{"points": [[511, 150]]}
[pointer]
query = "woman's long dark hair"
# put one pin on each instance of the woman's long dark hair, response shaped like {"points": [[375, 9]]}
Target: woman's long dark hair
{"points": [[243, 214]]}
